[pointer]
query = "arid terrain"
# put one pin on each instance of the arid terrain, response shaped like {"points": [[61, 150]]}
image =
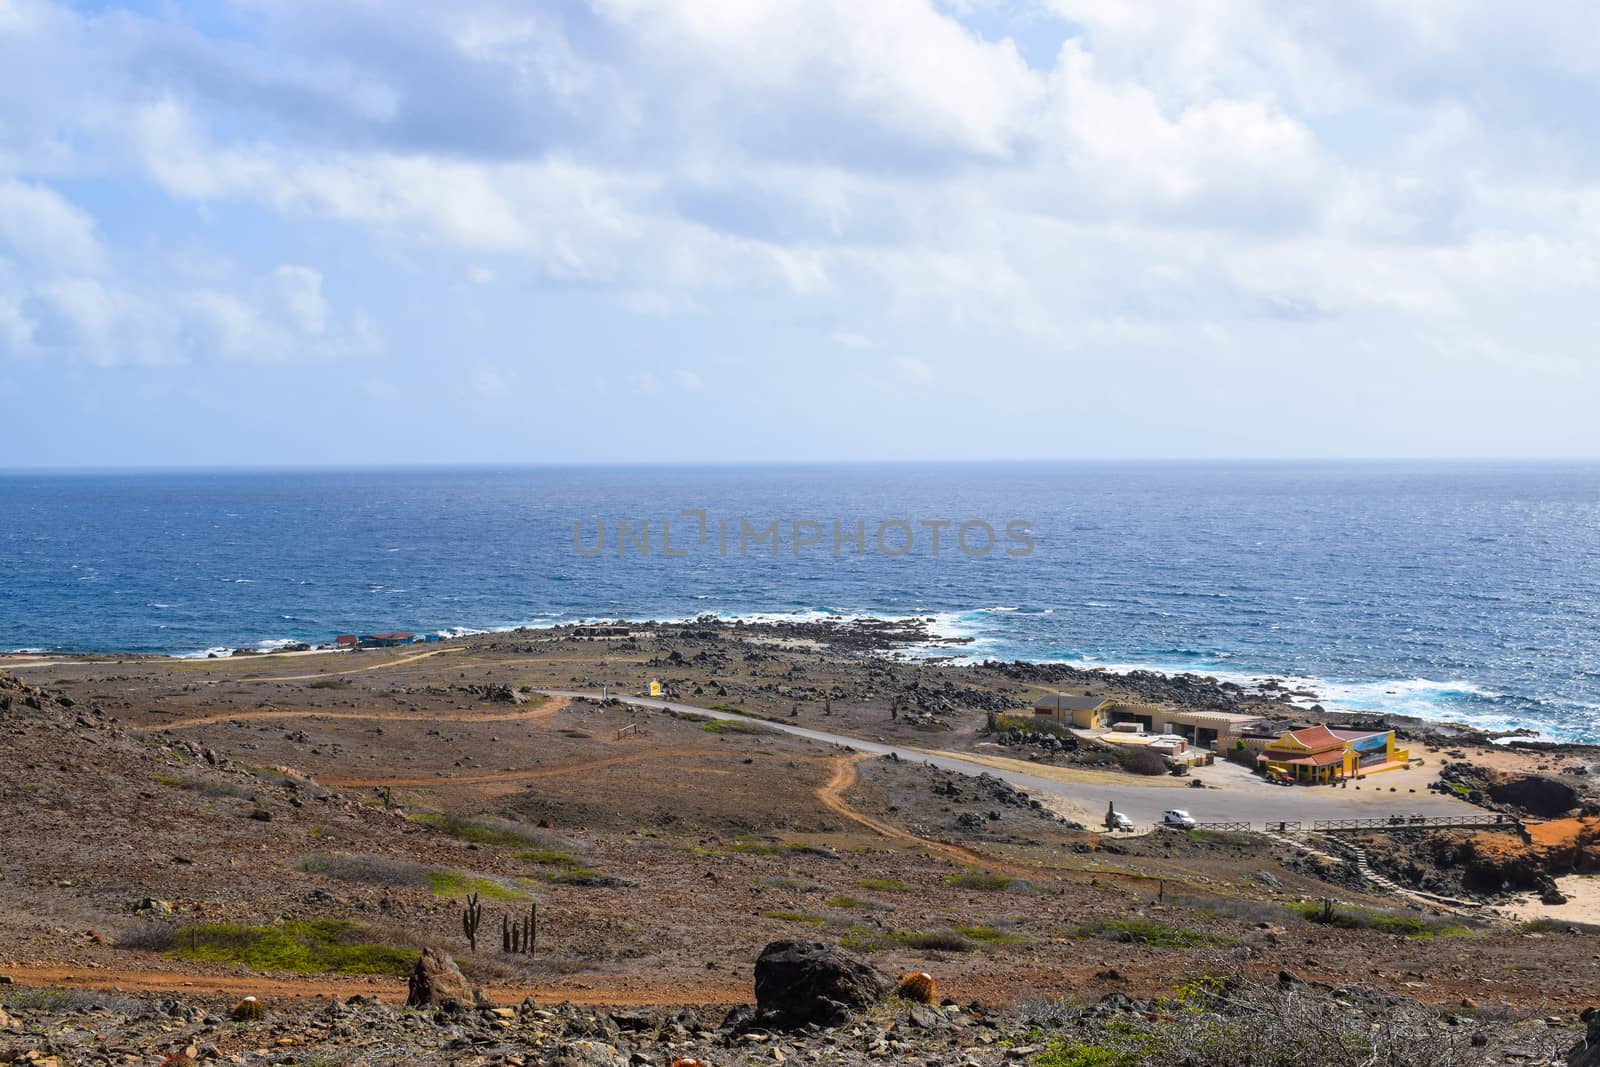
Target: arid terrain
{"points": [[184, 833]]}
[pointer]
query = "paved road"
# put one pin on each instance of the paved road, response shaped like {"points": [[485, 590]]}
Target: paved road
{"points": [[1241, 798]]}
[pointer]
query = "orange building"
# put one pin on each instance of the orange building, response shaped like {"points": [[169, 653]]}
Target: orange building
{"points": [[1321, 754]]}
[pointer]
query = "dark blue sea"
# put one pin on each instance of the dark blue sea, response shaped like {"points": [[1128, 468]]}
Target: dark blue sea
{"points": [[1450, 590]]}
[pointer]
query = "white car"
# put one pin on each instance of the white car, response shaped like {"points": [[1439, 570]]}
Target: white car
{"points": [[1179, 818]]}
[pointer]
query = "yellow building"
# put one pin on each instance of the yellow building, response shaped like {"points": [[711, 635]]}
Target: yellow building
{"points": [[1084, 713], [1320, 754]]}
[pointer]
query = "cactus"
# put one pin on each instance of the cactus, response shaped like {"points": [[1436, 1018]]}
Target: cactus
{"points": [[918, 986], [518, 937], [471, 919], [248, 1010]]}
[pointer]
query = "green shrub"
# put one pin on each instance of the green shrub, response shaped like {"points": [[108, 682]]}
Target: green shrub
{"points": [[1147, 931], [884, 885], [319, 947], [582, 876], [988, 935], [1029, 724], [993, 883], [1137, 759], [1386, 922], [545, 857], [460, 884], [794, 917], [780, 848], [932, 940], [478, 831], [1067, 1053]]}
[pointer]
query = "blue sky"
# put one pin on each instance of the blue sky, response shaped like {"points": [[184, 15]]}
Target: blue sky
{"points": [[272, 232]]}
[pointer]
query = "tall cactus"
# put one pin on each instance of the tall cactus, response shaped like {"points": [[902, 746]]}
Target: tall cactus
{"points": [[471, 919], [518, 937]]}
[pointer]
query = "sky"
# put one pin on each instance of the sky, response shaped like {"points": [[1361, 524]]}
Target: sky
{"points": [[269, 232]]}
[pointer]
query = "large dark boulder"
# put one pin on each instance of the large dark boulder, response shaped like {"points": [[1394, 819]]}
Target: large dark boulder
{"points": [[436, 982], [1586, 1053], [1535, 794], [801, 982]]}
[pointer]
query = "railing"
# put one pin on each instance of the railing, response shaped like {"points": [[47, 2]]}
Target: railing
{"points": [[630, 730], [1416, 822], [1243, 827]]}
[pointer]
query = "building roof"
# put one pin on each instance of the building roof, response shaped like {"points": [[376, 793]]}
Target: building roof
{"points": [[1316, 738], [1232, 718], [345, 639], [397, 635], [1357, 735], [1317, 759], [1061, 702]]}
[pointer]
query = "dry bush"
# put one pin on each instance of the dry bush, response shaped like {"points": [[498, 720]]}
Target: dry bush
{"points": [[368, 870], [1139, 760], [147, 937], [1228, 1022]]}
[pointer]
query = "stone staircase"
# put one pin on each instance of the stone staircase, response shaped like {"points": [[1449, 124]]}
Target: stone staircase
{"points": [[1372, 877]]}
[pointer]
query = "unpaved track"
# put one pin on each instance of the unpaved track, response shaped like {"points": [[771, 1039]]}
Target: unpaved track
{"points": [[832, 795], [543, 710], [384, 665], [623, 991]]}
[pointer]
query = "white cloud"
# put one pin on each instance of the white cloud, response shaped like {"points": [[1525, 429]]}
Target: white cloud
{"points": [[41, 227], [300, 289], [1262, 180], [914, 370], [691, 382]]}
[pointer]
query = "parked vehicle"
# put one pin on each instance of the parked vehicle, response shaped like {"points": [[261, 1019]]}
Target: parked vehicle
{"points": [[1117, 821], [1178, 819]]}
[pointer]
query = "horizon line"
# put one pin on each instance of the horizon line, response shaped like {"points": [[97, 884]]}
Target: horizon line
{"points": [[489, 465]]}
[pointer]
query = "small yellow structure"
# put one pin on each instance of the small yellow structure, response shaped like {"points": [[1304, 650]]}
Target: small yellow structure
{"points": [[1321, 754], [655, 687], [1084, 713]]}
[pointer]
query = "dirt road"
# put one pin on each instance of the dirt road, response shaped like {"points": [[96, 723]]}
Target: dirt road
{"points": [[546, 708], [1088, 793], [623, 991], [832, 795]]}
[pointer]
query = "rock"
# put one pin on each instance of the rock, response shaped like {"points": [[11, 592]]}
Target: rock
{"points": [[436, 981], [591, 1054], [926, 1017], [1552, 896], [739, 1017], [1536, 794], [801, 982], [152, 906], [1586, 1053]]}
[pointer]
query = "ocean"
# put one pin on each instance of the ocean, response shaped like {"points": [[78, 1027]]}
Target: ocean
{"points": [[1464, 591]]}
